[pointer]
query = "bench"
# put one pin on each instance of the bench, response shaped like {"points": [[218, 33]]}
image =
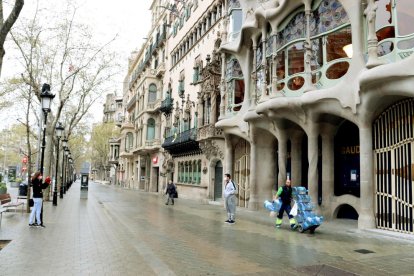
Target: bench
{"points": [[7, 203]]}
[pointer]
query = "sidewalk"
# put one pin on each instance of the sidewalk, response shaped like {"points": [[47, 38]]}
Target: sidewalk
{"points": [[126, 232]]}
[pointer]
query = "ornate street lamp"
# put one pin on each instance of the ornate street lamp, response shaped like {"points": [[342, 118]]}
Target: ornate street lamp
{"points": [[46, 99], [62, 179], [59, 130], [66, 170]]}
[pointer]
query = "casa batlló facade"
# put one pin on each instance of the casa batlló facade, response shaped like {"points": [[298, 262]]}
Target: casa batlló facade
{"points": [[317, 91]]}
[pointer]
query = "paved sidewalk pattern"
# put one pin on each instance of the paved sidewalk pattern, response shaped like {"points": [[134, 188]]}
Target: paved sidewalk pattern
{"points": [[125, 232]]}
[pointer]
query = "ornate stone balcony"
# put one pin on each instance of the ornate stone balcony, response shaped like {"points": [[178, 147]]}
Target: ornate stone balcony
{"points": [[209, 131]]}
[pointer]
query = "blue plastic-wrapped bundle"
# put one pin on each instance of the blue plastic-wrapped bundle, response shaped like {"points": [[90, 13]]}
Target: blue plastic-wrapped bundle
{"points": [[305, 206], [272, 205], [302, 198], [306, 219], [299, 190]]}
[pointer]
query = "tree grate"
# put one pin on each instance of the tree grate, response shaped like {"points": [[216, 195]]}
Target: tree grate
{"points": [[364, 251], [323, 270], [3, 243]]}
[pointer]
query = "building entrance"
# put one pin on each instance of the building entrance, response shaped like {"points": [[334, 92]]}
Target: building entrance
{"points": [[394, 167], [218, 181]]}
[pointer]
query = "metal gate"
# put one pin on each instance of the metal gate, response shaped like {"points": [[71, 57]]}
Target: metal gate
{"points": [[242, 171], [394, 167]]}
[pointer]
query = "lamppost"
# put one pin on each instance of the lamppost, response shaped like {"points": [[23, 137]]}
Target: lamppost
{"points": [[70, 174], [62, 179], [66, 169], [46, 99], [59, 131]]}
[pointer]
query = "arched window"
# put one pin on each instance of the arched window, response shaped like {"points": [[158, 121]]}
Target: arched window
{"points": [[129, 141], [152, 93], [150, 129]]}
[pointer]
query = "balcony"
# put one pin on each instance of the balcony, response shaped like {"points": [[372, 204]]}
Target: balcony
{"points": [[183, 143], [131, 102], [160, 71], [209, 131], [154, 106], [127, 125], [125, 154], [153, 144], [167, 105], [114, 160]]}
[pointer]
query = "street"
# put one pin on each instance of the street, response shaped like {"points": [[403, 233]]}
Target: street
{"points": [[127, 232]]}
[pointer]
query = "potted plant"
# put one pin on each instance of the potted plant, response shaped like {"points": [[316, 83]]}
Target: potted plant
{"points": [[3, 188]]}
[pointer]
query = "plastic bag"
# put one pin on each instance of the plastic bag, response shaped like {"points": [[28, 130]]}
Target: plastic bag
{"points": [[294, 211]]}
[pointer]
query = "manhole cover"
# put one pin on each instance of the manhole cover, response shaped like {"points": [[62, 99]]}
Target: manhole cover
{"points": [[364, 251], [3, 243], [323, 270]]}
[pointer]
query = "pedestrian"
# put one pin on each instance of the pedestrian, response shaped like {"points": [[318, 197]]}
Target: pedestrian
{"points": [[37, 187], [285, 194], [170, 191], [230, 199]]}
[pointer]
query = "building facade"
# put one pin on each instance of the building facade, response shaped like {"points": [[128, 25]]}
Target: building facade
{"points": [[316, 91]]}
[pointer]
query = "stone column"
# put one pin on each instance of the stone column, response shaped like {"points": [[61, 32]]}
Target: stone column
{"points": [[199, 110], [253, 97], [264, 64], [262, 168], [213, 111], [253, 201], [313, 162], [296, 159], [144, 134], [370, 13], [223, 86], [308, 86], [228, 155], [328, 159], [366, 218], [282, 157]]}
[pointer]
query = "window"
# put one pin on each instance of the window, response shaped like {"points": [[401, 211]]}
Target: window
{"points": [[152, 95], [329, 31], [129, 141], [236, 20], [150, 129]]}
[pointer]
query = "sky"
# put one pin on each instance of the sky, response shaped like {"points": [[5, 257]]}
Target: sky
{"points": [[129, 19]]}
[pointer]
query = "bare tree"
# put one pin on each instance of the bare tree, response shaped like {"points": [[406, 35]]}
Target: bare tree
{"points": [[65, 55], [5, 26]]}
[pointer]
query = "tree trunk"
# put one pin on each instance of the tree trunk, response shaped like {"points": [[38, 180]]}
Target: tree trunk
{"points": [[5, 26]]}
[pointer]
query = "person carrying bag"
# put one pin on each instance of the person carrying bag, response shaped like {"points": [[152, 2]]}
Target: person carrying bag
{"points": [[171, 192]]}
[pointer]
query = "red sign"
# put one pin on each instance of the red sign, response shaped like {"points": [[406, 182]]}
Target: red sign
{"points": [[155, 160], [24, 161]]}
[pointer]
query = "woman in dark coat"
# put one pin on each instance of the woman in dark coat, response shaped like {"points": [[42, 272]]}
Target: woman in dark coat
{"points": [[171, 190]]}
